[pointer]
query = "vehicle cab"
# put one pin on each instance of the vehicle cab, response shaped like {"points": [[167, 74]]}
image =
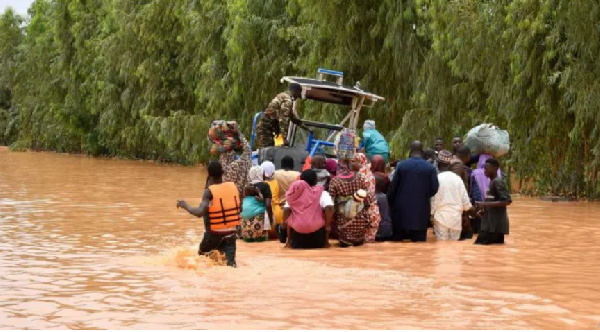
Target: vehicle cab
{"points": [[320, 90]]}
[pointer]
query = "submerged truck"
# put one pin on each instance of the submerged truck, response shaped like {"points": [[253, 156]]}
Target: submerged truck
{"points": [[302, 143]]}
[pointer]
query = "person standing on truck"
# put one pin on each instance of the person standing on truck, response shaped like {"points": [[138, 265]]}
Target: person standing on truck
{"points": [[373, 142], [277, 117]]}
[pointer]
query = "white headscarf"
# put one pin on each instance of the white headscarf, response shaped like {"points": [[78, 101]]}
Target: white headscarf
{"points": [[369, 124], [268, 168], [255, 174]]}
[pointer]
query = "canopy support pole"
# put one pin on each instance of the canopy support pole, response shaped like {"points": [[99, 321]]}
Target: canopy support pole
{"points": [[357, 112]]}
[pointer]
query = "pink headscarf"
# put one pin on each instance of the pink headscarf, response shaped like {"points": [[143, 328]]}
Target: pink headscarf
{"points": [[306, 216], [344, 169]]}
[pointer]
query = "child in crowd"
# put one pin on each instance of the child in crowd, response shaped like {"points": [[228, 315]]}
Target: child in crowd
{"points": [[318, 165], [355, 205]]}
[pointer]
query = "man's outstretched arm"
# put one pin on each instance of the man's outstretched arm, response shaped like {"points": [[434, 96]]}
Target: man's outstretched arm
{"points": [[200, 210]]}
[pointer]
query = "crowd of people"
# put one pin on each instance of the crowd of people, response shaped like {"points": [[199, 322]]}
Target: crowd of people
{"points": [[356, 200]]}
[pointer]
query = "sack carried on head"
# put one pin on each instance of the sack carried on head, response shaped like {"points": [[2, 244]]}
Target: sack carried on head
{"points": [[489, 139], [345, 144]]}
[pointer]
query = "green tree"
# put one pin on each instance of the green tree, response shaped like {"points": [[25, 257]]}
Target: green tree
{"points": [[144, 78], [11, 37]]}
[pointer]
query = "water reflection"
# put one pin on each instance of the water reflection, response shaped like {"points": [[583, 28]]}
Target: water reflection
{"points": [[97, 243]]}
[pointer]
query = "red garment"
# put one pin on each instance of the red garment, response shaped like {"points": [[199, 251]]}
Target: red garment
{"points": [[382, 181], [377, 164], [307, 164], [331, 166]]}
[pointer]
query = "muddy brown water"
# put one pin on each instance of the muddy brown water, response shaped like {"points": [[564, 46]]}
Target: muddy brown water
{"points": [[97, 243]]}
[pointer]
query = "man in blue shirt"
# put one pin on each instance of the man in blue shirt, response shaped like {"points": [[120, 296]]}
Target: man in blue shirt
{"points": [[373, 142], [415, 182]]}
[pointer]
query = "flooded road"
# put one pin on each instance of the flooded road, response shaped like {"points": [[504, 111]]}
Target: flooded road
{"points": [[95, 243]]}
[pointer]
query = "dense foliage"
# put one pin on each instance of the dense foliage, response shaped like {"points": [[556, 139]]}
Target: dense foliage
{"points": [[143, 78]]}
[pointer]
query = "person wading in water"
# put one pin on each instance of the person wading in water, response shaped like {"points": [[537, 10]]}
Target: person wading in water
{"points": [[494, 223], [415, 182], [220, 208]]}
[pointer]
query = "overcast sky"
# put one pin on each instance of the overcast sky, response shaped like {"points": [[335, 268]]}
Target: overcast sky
{"points": [[20, 6]]}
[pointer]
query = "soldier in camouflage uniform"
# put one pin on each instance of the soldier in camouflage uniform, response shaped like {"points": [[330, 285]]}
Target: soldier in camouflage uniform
{"points": [[277, 116]]}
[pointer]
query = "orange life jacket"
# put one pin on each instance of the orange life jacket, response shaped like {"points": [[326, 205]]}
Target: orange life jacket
{"points": [[224, 212]]}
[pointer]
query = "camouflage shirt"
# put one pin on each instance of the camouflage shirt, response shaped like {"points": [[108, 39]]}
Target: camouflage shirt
{"points": [[276, 119]]}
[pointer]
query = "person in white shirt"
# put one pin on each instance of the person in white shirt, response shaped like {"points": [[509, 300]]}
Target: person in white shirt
{"points": [[450, 201]]}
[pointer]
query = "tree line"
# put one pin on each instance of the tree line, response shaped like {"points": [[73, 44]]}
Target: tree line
{"points": [[144, 78]]}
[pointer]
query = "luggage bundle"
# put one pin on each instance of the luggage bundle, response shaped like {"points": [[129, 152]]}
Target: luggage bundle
{"points": [[351, 206], [345, 144], [224, 137], [488, 139]]}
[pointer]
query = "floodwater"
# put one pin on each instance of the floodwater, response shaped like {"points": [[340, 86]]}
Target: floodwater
{"points": [[96, 243]]}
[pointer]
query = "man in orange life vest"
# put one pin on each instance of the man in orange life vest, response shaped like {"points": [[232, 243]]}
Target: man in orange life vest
{"points": [[220, 209]]}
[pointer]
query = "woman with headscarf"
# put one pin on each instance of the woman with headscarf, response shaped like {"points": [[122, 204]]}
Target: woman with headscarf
{"points": [[269, 178], [253, 228], [361, 165], [374, 143], [378, 170], [308, 211], [349, 229], [331, 166], [257, 179], [236, 171], [382, 185]]}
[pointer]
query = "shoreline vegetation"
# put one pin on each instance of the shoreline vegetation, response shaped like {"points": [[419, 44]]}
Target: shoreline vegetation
{"points": [[143, 80]]}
